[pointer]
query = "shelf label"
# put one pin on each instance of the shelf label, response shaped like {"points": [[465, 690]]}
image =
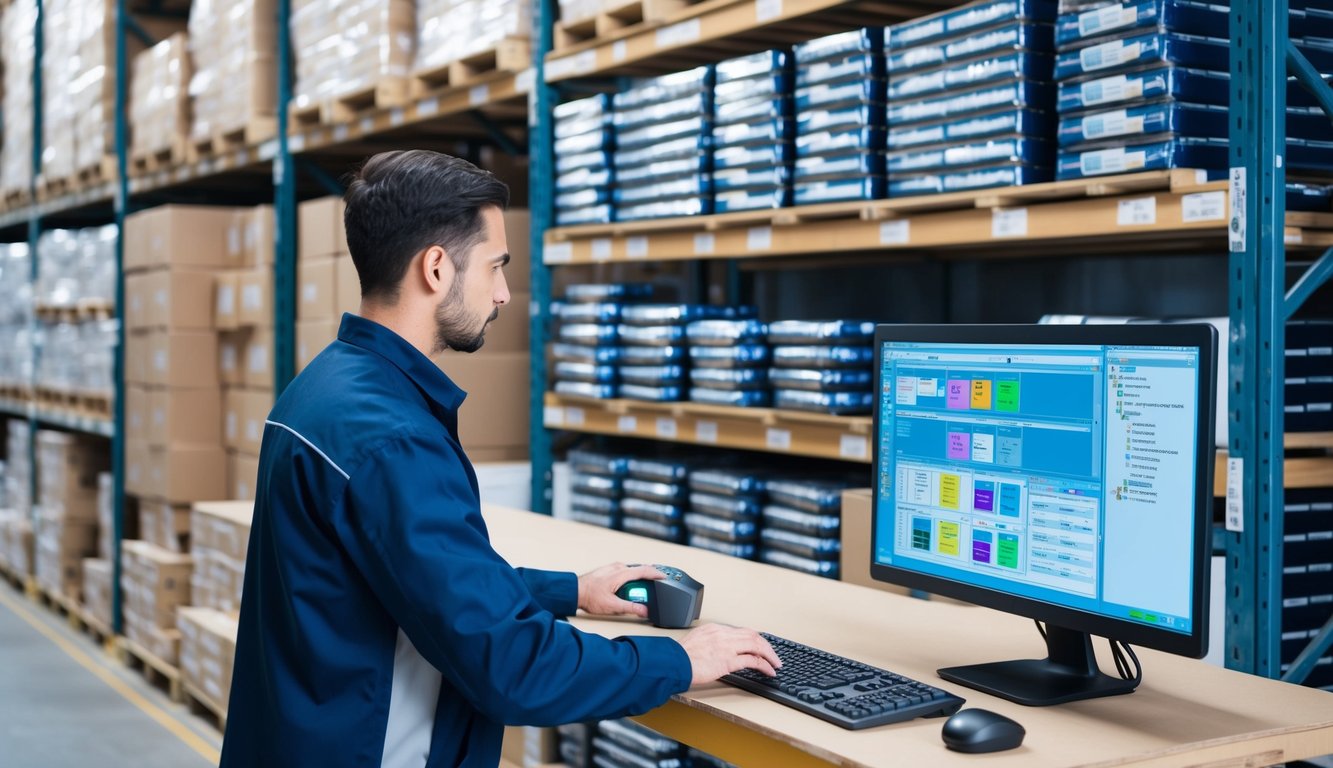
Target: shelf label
{"points": [[705, 431], [478, 94], [637, 247], [895, 232], [759, 239], [1292, 238], [1203, 206], [579, 63], [573, 416], [429, 106], [627, 424], [601, 249], [1235, 491], [704, 243], [854, 447], [268, 149], [396, 117], [1239, 191], [558, 253], [367, 124], [1138, 212], [619, 50], [767, 9], [341, 132], [666, 428], [524, 80], [1009, 222], [679, 34], [778, 439]]}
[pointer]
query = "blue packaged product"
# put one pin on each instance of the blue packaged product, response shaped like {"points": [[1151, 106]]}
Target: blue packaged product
{"points": [[661, 470], [1150, 156], [651, 394], [1026, 122], [1185, 16], [749, 111], [1195, 86], [727, 506], [842, 118], [1308, 197], [584, 292], [644, 335], [653, 529], [688, 146], [736, 398], [591, 160], [584, 143], [860, 66], [692, 206], [969, 18], [586, 311], [665, 314], [816, 380], [729, 201], [592, 372], [585, 389], [803, 545], [582, 353], [867, 40], [739, 355], [823, 357], [588, 333], [655, 133], [761, 132], [695, 184], [1140, 50], [597, 504], [728, 482], [829, 569], [743, 550], [724, 333], [654, 490], [835, 332], [751, 66], [839, 94], [566, 128], [599, 519], [652, 375], [855, 163], [1020, 36], [645, 743], [1025, 65], [800, 521], [655, 355], [596, 214], [1003, 175], [721, 527], [1018, 93], [836, 403], [589, 197], [750, 178], [662, 169], [596, 462], [729, 378], [840, 141], [760, 154], [837, 190], [1195, 120], [773, 88], [658, 511], [583, 177], [665, 112], [591, 106], [1013, 149], [663, 88], [597, 485]]}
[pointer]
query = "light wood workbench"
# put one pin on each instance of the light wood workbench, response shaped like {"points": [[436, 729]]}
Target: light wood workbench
{"points": [[1185, 712]]}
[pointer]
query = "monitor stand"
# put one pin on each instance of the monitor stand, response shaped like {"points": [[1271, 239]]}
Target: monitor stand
{"points": [[1069, 673]]}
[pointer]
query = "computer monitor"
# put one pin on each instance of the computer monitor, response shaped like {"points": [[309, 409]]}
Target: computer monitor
{"points": [[1062, 473]]}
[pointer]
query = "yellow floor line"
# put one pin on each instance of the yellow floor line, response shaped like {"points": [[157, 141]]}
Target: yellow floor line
{"points": [[161, 716]]}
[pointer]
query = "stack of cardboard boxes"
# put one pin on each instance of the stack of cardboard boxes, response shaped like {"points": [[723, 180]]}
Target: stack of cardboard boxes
{"points": [[18, 51], [326, 281], [16, 543], [97, 570], [220, 534], [160, 100], [68, 466], [153, 583], [234, 85]]}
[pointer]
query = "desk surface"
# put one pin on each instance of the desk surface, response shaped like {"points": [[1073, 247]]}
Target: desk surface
{"points": [[1184, 712]]}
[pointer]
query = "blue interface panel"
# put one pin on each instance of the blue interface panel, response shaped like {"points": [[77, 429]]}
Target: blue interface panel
{"points": [[1063, 474]]}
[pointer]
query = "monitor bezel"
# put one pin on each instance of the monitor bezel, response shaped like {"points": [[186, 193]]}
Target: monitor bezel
{"points": [[1196, 335]]}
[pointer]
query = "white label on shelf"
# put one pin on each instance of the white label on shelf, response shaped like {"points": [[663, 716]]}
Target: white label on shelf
{"points": [[1009, 222], [568, 66], [705, 431], [1235, 489], [778, 439], [704, 243], [554, 416], [268, 149], [759, 239], [429, 106], [574, 416], [341, 132], [1137, 212], [1292, 238], [478, 94], [619, 50], [666, 428], [767, 9], [558, 253], [627, 424], [895, 232], [367, 124], [1203, 206], [601, 249], [637, 247], [396, 117], [1239, 192], [679, 34], [524, 80], [295, 143], [853, 447]]}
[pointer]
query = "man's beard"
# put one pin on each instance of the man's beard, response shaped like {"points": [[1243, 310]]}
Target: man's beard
{"points": [[453, 328]]}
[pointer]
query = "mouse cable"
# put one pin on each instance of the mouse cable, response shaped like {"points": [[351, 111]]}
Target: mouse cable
{"points": [[1121, 663]]}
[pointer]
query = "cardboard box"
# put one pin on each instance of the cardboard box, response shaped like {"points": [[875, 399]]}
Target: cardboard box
{"points": [[231, 353], [154, 582], [320, 224], [136, 467], [226, 305], [180, 299], [69, 466], [179, 417], [186, 473], [257, 359], [137, 351], [855, 558], [317, 289], [259, 239], [255, 293], [518, 231], [164, 524], [242, 471], [208, 648], [223, 526], [497, 455], [245, 414], [136, 412], [177, 236], [312, 336], [495, 414], [97, 589], [349, 287], [182, 359], [510, 332], [137, 294]]}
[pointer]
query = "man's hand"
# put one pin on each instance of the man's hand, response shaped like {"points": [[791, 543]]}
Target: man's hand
{"points": [[597, 589], [716, 650]]}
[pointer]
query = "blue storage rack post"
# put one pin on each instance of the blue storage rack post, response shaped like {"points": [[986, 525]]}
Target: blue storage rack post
{"points": [[541, 203], [1262, 54], [121, 204], [34, 231], [284, 214]]}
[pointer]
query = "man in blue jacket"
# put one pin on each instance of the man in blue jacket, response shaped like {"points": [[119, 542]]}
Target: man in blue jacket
{"points": [[378, 626]]}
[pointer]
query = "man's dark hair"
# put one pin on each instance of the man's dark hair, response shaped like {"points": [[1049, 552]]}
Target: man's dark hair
{"points": [[400, 203]]}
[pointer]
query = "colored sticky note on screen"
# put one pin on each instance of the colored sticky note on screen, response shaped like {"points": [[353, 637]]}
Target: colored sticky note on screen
{"points": [[981, 394]]}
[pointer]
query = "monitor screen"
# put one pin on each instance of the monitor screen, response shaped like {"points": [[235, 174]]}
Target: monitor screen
{"points": [[1058, 472]]}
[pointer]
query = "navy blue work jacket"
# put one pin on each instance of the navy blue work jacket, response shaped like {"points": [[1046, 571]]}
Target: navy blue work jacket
{"points": [[368, 551]]}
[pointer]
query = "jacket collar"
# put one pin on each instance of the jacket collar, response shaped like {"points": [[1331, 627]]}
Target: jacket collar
{"points": [[373, 337]]}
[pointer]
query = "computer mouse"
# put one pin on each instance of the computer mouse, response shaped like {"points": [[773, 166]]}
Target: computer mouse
{"points": [[673, 602], [980, 730]]}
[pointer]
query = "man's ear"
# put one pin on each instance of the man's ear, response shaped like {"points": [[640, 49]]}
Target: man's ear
{"points": [[437, 270]]}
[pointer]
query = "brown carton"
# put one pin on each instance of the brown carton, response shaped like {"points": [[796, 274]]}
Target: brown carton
{"points": [[259, 243], [136, 467], [257, 359], [255, 298], [226, 306], [246, 412], [312, 336], [164, 524], [185, 359], [242, 470], [177, 236], [855, 565], [518, 224], [137, 351], [510, 331], [180, 299], [185, 417], [186, 473], [320, 224], [136, 412], [317, 289], [349, 287], [223, 526], [231, 353], [136, 301], [495, 414]]}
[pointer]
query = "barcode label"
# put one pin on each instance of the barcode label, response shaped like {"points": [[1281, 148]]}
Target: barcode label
{"points": [[478, 94], [778, 439], [679, 34], [666, 428], [574, 416], [853, 447], [627, 424], [601, 249], [637, 247], [1204, 206], [558, 253], [705, 431], [1139, 212], [1009, 222], [895, 232], [759, 239], [704, 243]]}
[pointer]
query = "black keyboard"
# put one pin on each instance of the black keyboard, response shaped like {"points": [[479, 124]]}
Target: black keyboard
{"points": [[844, 692]]}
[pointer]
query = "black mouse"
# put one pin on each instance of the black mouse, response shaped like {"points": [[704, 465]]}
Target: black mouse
{"points": [[673, 602], [980, 730]]}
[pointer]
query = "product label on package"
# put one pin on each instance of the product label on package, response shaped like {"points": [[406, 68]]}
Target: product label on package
{"points": [[1203, 206]]}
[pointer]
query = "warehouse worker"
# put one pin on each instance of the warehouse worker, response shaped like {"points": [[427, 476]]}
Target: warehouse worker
{"points": [[378, 626]]}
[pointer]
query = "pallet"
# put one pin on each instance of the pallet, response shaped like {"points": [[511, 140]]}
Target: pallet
{"points": [[512, 54], [613, 18], [180, 152], [15, 392], [80, 618], [49, 188], [100, 172], [387, 93], [16, 198], [258, 129], [202, 704], [58, 399], [95, 405], [84, 310], [157, 672]]}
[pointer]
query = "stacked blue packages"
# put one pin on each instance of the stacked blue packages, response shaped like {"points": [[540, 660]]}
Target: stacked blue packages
{"points": [[656, 497], [584, 177], [822, 366], [729, 362], [654, 361], [725, 505], [802, 524], [597, 487], [839, 102], [971, 98], [587, 345], [752, 132], [662, 161]]}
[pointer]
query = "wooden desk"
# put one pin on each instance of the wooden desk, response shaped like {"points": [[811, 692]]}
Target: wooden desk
{"points": [[1185, 712]]}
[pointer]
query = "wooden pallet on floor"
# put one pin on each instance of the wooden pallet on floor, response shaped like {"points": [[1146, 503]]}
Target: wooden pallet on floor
{"points": [[387, 93], [201, 703], [155, 670], [512, 54], [258, 129]]}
